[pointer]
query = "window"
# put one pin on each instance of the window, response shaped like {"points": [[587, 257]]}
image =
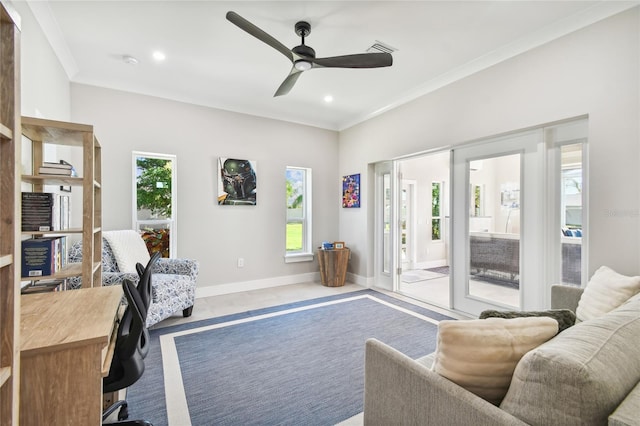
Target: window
{"points": [[436, 211], [154, 209], [298, 227]]}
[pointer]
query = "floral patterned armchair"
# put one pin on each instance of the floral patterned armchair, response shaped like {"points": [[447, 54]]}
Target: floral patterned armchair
{"points": [[173, 282]]}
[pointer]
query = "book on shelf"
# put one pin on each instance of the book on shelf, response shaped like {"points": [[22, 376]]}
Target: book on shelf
{"points": [[60, 169], [43, 256], [59, 165], [45, 212]]}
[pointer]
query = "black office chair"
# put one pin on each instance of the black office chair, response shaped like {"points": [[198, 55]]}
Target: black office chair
{"points": [[127, 365], [144, 290]]}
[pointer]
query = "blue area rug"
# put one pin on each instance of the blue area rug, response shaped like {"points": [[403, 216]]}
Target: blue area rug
{"points": [[300, 363]]}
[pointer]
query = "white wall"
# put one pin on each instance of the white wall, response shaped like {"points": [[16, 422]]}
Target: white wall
{"points": [[594, 71], [215, 235], [44, 83]]}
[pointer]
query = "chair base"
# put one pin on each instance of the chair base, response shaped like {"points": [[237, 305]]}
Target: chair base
{"points": [[187, 312], [123, 414]]}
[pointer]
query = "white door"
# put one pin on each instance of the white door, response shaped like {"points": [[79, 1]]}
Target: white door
{"points": [[386, 246], [498, 220]]}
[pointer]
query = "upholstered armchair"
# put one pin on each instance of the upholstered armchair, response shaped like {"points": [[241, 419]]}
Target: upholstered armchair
{"points": [[173, 281]]}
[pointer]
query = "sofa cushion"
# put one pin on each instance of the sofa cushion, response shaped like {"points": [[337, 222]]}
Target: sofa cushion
{"points": [[480, 355], [565, 317], [605, 291], [580, 376], [128, 248]]}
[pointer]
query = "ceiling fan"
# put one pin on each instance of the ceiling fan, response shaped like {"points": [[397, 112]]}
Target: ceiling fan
{"points": [[303, 57]]}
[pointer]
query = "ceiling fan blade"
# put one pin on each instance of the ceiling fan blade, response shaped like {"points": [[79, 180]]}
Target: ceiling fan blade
{"points": [[360, 60], [247, 26], [288, 82]]}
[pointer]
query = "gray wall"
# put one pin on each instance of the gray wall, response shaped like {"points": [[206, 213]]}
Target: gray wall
{"points": [[215, 235], [593, 71]]}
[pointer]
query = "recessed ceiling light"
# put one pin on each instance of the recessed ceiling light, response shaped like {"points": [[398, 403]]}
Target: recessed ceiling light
{"points": [[328, 99], [159, 56]]}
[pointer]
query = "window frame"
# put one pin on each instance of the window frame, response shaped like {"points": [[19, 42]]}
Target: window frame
{"points": [[306, 253], [172, 222]]}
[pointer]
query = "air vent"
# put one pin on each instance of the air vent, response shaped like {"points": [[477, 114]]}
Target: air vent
{"points": [[380, 47]]}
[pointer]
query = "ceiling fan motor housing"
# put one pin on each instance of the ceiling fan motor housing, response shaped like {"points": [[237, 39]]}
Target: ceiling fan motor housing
{"points": [[304, 50]]}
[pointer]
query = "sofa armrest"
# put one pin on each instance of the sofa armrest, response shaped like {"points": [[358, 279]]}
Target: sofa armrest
{"points": [[565, 297], [627, 412], [399, 390], [176, 266]]}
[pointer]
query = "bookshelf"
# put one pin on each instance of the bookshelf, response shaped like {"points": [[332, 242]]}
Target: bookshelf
{"points": [[9, 214], [40, 132]]}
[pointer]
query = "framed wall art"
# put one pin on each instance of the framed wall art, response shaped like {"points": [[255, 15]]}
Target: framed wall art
{"points": [[351, 191], [237, 180]]}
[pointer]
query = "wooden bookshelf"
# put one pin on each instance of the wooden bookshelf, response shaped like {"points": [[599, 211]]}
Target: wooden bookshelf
{"points": [[41, 132], [9, 214]]}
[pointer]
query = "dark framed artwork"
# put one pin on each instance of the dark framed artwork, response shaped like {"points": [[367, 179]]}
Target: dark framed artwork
{"points": [[351, 191], [237, 179]]}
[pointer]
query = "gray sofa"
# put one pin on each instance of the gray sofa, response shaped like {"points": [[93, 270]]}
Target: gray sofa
{"points": [[173, 282], [587, 375]]}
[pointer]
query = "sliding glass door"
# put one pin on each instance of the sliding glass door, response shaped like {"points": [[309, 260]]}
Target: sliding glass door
{"points": [[498, 224]]}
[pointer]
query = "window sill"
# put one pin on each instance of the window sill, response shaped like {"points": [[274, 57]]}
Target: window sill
{"points": [[298, 257]]}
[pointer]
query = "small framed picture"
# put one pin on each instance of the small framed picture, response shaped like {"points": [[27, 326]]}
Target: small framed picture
{"points": [[338, 245]]}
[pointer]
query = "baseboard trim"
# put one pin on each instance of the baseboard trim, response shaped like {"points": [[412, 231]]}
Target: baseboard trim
{"points": [[240, 286]]}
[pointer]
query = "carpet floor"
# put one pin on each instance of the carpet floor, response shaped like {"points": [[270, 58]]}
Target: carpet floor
{"points": [[301, 363]]}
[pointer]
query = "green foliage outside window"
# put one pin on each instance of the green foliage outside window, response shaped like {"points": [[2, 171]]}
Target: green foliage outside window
{"points": [[435, 211], [154, 186], [295, 199]]}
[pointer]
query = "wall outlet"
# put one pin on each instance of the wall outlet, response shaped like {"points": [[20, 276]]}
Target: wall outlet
{"points": [[240, 262]]}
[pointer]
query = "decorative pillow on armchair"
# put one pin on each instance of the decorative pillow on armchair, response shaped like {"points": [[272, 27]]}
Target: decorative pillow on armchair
{"points": [[481, 355], [605, 291], [128, 248], [565, 317]]}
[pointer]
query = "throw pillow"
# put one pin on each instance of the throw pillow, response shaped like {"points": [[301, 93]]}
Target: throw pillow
{"points": [[481, 355], [565, 317], [605, 291], [128, 248]]}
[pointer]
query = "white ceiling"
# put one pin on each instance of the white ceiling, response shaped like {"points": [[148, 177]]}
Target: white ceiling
{"points": [[211, 62]]}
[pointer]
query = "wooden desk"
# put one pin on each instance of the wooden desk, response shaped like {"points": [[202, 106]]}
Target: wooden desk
{"points": [[64, 341]]}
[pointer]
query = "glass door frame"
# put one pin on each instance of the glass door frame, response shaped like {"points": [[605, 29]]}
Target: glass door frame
{"points": [[387, 247], [532, 291]]}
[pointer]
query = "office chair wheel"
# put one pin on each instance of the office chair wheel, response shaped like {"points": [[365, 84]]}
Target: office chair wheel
{"points": [[123, 414]]}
